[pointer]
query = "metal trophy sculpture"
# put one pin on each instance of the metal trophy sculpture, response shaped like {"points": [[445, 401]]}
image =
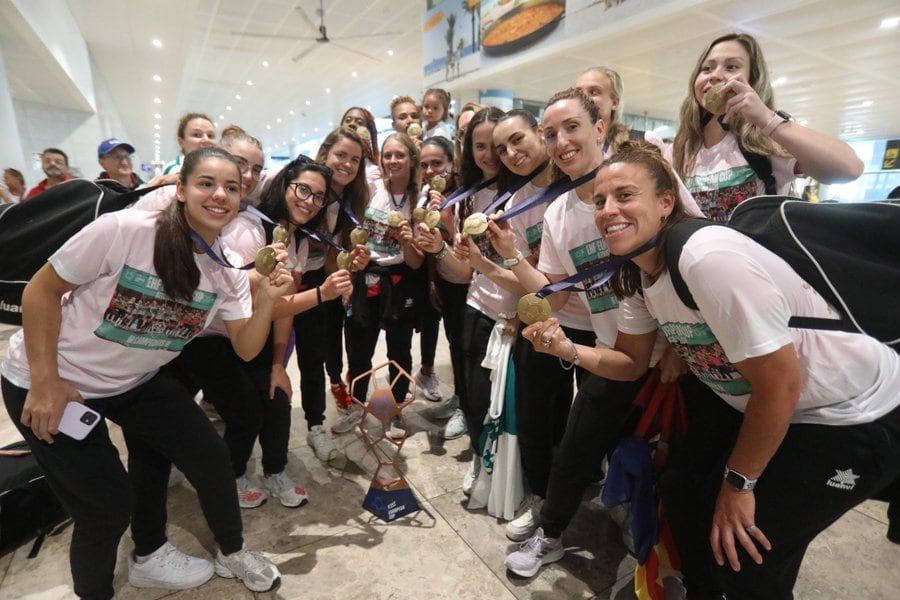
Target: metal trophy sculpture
{"points": [[389, 496]]}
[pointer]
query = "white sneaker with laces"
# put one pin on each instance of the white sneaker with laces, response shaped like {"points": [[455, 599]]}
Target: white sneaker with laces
{"points": [[257, 572], [168, 568], [348, 421], [522, 527], [429, 384], [249, 494], [288, 493], [456, 426], [471, 475], [534, 553], [321, 443]]}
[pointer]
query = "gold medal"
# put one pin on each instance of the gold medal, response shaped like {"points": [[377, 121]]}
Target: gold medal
{"points": [[363, 133], [359, 236], [344, 260], [532, 308], [394, 218], [265, 261], [715, 100], [475, 224], [438, 183], [414, 130], [279, 234], [432, 218], [418, 214]]}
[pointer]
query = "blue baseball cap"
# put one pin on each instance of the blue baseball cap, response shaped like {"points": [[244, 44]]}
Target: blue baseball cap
{"points": [[107, 146]]}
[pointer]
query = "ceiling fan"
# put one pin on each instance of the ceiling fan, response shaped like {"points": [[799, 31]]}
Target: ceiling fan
{"points": [[322, 38]]}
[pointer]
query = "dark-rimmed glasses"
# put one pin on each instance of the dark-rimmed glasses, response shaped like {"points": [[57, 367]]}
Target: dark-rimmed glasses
{"points": [[304, 192]]}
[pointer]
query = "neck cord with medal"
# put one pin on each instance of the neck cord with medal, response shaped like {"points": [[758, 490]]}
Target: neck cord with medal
{"points": [[517, 185], [359, 235], [535, 307], [432, 216]]}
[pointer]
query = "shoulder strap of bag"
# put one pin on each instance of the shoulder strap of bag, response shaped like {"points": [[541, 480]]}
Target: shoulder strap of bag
{"points": [[675, 240], [761, 165]]}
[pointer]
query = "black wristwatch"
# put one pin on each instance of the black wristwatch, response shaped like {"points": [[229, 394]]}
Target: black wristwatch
{"points": [[738, 480]]}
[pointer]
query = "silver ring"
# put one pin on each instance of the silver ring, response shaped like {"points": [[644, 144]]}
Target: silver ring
{"points": [[750, 528], [546, 343]]}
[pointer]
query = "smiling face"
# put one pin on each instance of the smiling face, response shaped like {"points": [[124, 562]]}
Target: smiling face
{"points": [[198, 133], [433, 161], [724, 61], [597, 85], [302, 211], [573, 142], [629, 211], [344, 158], [483, 150], [404, 114], [212, 196], [395, 163], [519, 146], [250, 159]]}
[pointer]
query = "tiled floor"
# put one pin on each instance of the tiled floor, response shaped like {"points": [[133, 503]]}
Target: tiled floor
{"points": [[333, 548]]}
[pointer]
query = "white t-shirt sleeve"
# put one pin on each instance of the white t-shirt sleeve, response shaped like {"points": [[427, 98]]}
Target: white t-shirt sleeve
{"points": [[549, 260], [737, 297], [82, 259], [634, 318], [237, 303]]}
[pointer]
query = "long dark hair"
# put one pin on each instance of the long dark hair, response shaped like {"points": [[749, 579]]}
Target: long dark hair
{"points": [[356, 193], [446, 147], [627, 280], [173, 248], [505, 177], [469, 172], [273, 204]]}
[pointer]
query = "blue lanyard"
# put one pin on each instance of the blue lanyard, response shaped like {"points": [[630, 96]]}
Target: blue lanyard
{"points": [[461, 194], [554, 190], [302, 228]]}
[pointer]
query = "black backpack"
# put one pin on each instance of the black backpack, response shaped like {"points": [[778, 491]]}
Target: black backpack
{"points": [[28, 507], [848, 252], [34, 229]]}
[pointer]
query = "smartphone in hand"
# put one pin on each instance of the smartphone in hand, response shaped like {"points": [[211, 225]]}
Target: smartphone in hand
{"points": [[78, 420]]}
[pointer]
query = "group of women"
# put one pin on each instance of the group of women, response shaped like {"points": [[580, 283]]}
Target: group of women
{"points": [[561, 196]]}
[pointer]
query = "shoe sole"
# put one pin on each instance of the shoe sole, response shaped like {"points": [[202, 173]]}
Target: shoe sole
{"points": [[249, 506], [225, 573], [139, 582], [303, 502], [453, 437], [519, 537], [546, 560]]}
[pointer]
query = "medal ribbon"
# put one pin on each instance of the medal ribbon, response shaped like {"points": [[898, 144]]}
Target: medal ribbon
{"points": [[345, 206], [516, 185], [462, 194], [605, 270], [300, 228], [554, 190]]}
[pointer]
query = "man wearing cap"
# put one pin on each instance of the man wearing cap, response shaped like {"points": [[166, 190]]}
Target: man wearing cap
{"points": [[114, 156], [55, 164]]}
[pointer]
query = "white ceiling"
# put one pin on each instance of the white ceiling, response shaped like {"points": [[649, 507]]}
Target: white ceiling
{"points": [[841, 67]]}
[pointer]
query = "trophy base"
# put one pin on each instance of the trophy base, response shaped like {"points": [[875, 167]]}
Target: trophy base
{"points": [[390, 505]]}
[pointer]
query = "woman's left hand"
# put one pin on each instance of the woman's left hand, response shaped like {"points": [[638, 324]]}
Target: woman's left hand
{"points": [[361, 256], [546, 336], [280, 282], [735, 521], [406, 233]]}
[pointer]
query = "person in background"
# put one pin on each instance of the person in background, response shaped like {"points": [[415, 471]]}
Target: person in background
{"points": [[462, 123], [55, 164], [354, 118], [195, 130], [13, 186], [114, 156], [435, 109], [404, 113]]}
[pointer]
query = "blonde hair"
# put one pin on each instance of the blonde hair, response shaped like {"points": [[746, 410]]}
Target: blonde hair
{"points": [[616, 130]]}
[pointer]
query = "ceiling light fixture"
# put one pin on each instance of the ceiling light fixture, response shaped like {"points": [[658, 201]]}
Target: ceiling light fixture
{"points": [[779, 81], [157, 116], [156, 126], [157, 78], [278, 120], [268, 127], [354, 74], [291, 112], [265, 63], [228, 107], [249, 82], [308, 102], [890, 22], [157, 101], [390, 52], [156, 43], [237, 96], [327, 90]]}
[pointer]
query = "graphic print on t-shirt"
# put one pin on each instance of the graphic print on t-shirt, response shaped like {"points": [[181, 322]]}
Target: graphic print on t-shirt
{"points": [[487, 249], [584, 257], [533, 236], [717, 194], [696, 344], [140, 315], [382, 238]]}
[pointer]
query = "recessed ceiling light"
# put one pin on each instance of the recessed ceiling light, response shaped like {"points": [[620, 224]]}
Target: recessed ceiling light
{"points": [[157, 78], [304, 134], [308, 103], [293, 139], [291, 112], [249, 82], [156, 135], [390, 52], [221, 116], [156, 43], [237, 96], [866, 103], [779, 81], [315, 129], [157, 101], [157, 116], [369, 108], [228, 107], [265, 63], [278, 120], [268, 127], [156, 126], [890, 22], [215, 123], [327, 90], [803, 122], [354, 74], [331, 123]]}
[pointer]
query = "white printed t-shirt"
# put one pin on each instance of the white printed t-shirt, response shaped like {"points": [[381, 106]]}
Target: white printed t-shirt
{"points": [[119, 327], [384, 241], [485, 295], [746, 296]]}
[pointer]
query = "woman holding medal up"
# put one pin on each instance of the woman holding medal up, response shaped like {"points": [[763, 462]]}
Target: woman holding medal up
{"points": [[138, 286], [388, 293]]}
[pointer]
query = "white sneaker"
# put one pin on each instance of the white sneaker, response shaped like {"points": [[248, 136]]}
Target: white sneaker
{"points": [[249, 494], [288, 493], [456, 426], [429, 385], [471, 475], [168, 568], [257, 572], [321, 443], [522, 527], [534, 553], [348, 421], [397, 430], [447, 409]]}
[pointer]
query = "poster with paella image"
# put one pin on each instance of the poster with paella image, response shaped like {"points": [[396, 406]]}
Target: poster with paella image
{"points": [[451, 40], [512, 27]]}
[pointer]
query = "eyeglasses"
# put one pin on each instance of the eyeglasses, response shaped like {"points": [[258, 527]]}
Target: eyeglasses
{"points": [[304, 192], [118, 157]]}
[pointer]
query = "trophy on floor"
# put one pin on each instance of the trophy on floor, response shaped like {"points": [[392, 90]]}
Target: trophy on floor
{"points": [[389, 496]]}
